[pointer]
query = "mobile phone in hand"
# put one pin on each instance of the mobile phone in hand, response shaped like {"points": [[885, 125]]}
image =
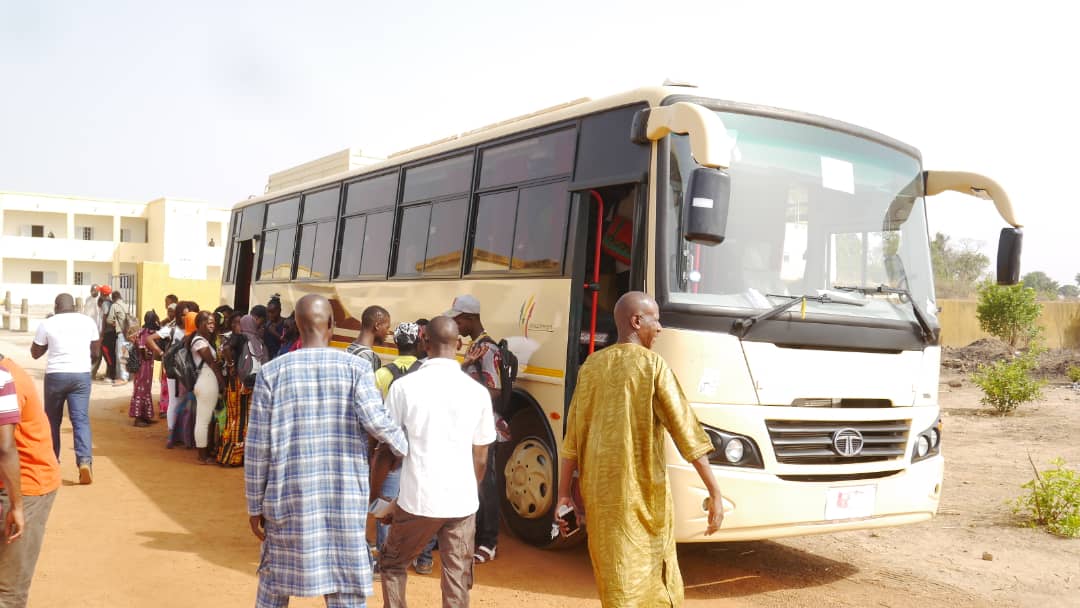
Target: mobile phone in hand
{"points": [[567, 514]]}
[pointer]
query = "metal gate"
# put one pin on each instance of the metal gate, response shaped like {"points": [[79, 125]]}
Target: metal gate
{"points": [[126, 285]]}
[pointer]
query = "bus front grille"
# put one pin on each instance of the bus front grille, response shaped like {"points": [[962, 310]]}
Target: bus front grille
{"points": [[813, 442]]}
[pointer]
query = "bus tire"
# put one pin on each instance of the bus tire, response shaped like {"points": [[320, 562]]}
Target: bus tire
{"points": [[527, 467]]}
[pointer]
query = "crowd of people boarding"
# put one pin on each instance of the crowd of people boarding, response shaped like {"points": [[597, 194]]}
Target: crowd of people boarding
{"points": [[326, 435]]}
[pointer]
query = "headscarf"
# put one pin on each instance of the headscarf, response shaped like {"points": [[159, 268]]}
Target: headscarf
{"points": [[406, 334], [189, 323], [250, 330]]}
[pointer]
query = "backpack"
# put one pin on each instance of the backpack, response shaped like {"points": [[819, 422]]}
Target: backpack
{"points": [[248, 365], [125, 323], [180, 365], [508, 371], [396, 371]]}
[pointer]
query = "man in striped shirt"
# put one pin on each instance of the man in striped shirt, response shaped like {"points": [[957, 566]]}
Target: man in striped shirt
{"points": [[306, 468]]}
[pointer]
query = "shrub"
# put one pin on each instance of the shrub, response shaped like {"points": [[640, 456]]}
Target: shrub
{"points": [[1007, 384], [1073, 373], [1008, 312], [1053, 500]]}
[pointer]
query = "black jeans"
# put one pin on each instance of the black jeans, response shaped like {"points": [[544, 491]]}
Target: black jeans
{"points": [[487, 518]]}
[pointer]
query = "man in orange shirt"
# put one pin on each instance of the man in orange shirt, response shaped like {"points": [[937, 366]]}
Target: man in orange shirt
{"points": [[27, 437]]}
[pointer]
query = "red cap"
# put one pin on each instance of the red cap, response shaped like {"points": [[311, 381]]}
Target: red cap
{"points": [[105, 290]]}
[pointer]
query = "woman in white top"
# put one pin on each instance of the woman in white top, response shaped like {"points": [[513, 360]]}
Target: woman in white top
{"points": [[208, 382]]}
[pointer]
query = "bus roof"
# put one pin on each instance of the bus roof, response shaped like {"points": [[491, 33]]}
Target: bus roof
{"points": [[652, 96]]}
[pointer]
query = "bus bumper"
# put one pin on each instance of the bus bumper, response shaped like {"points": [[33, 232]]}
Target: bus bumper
{"points": [[759, 505]]}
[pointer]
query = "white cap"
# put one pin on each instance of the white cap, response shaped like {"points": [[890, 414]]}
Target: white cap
{"points": [[463, 305]]}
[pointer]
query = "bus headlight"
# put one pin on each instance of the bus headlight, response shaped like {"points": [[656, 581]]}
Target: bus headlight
{"points": [[733, 450], [927, 443]]}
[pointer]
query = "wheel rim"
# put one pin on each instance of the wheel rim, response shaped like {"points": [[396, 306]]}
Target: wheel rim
{"points": [[529, 473]]}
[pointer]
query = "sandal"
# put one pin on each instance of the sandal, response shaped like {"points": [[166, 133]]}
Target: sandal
{"points": [[483, 555]]}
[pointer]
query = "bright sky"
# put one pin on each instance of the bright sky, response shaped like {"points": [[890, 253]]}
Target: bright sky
{"points": [[205, 99]]}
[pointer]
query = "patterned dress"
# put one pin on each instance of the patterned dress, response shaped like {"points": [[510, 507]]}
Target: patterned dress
{"points": [[142, 399], [306, 470], [237, 398]]}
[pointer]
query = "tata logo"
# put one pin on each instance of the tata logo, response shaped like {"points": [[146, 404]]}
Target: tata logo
{"points": [[847, 442]]}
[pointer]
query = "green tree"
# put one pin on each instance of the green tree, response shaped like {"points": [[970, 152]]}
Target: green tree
{"points": [[1070, 292], [957, 267], [1043, 285], [1008, 312]]}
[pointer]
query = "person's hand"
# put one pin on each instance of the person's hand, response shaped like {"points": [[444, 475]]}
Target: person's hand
{"points": [[13, 524], [563, 526], [716, 515], [258, 527]]}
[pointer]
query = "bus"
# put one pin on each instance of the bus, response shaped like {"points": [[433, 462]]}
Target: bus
{"points": [[789, 254]]}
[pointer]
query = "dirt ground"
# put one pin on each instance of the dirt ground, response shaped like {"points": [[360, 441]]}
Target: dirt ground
{"points": [[155, 529]]}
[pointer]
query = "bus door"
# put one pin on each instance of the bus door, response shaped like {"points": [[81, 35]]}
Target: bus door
{"points": [[245, 268]]}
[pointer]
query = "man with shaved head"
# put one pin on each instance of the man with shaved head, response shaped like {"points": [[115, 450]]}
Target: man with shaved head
{"points": [[626, 397], [306, 467], [448, 418], [72, 341]]}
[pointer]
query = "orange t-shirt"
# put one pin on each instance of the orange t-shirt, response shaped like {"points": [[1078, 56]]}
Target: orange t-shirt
{"points": [[33, 436]]}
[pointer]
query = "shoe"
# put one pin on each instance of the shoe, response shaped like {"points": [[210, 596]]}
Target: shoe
{"points": [[376, 575], [86, 474], [483, 555], [163, 415], [142, 422], [423, 567]]}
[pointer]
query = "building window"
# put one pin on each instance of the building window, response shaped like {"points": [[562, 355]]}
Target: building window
{"points": [[125, 235], [37, 277], [81, 278], [37, 231], [86, 233]]}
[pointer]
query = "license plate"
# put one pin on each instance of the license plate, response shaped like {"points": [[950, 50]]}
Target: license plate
{"points": [[852, 502]]}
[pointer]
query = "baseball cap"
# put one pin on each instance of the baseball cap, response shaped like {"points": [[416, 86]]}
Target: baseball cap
{"points": [[463, 305], [105, 290]]}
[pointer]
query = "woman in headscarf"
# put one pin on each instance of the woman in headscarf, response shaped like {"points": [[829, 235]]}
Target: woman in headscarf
{"points": [[142, 399], [245, 347]]}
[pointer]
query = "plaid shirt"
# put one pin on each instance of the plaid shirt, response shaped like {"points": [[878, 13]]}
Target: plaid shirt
{"points": [[306, 469]]}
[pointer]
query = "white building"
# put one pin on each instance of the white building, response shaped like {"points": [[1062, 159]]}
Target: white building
{"points": [[51, 244]]}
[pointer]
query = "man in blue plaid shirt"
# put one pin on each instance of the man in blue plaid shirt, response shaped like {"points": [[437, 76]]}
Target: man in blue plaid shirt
{"points": [[306, 468]]}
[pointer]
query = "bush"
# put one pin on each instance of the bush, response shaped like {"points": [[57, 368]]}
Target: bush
{"points": [[1053, 500], [1007, 384], [1073, 373], [1008, 312]]}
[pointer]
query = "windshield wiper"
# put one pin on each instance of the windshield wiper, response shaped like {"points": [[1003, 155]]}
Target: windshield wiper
{"points": [[925, 331], [741, 327]]}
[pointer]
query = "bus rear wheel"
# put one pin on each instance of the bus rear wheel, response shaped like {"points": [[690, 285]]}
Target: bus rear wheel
{"points": [[527, 468]]}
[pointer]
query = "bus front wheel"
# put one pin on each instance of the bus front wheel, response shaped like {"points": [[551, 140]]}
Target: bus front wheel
{"points": [[527, 467]]}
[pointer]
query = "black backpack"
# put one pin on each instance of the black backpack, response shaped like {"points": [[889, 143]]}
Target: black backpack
{"points": [[396, 371], [508, 372], [180, 365]]}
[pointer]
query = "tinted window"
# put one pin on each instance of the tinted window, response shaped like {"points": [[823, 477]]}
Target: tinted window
{"points": [[283, 213], [413, 240], [443, 178], [316, 251], [352, 243], [283, 254], [494, 238], [534, 158], [540, 232], [371, 194], [266, 264], [321, 205], [446, 238], [251, 222], [377, 236], [235, 223]]}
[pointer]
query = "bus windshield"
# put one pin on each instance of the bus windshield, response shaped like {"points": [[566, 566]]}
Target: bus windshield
{"points": [[813, 211]]}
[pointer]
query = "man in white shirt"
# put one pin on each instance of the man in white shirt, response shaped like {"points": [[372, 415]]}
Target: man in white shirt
{"points": [[72, 341], [448, 420]]}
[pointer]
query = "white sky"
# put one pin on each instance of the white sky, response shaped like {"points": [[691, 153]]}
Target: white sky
{"points": [[204, 99]]}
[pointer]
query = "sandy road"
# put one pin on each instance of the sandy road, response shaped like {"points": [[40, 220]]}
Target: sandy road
{"points": [[156, 529]]}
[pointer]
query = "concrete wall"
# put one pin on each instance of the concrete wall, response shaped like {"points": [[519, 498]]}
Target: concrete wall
{"points": [[137, 227], [960, 325], [155, 283], [102, 225], [98, 272], [14, 220], [17, 270]]}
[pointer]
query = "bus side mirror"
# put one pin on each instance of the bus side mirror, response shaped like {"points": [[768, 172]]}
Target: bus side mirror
{"points": [[1008, 256], [705, 208]]}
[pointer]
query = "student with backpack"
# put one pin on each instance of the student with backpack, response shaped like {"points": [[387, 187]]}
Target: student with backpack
{"points": [[244, 354], [119, 322], [493, 365]]}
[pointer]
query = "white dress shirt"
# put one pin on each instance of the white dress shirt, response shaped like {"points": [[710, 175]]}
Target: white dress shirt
{"points": [[444, 413]]}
